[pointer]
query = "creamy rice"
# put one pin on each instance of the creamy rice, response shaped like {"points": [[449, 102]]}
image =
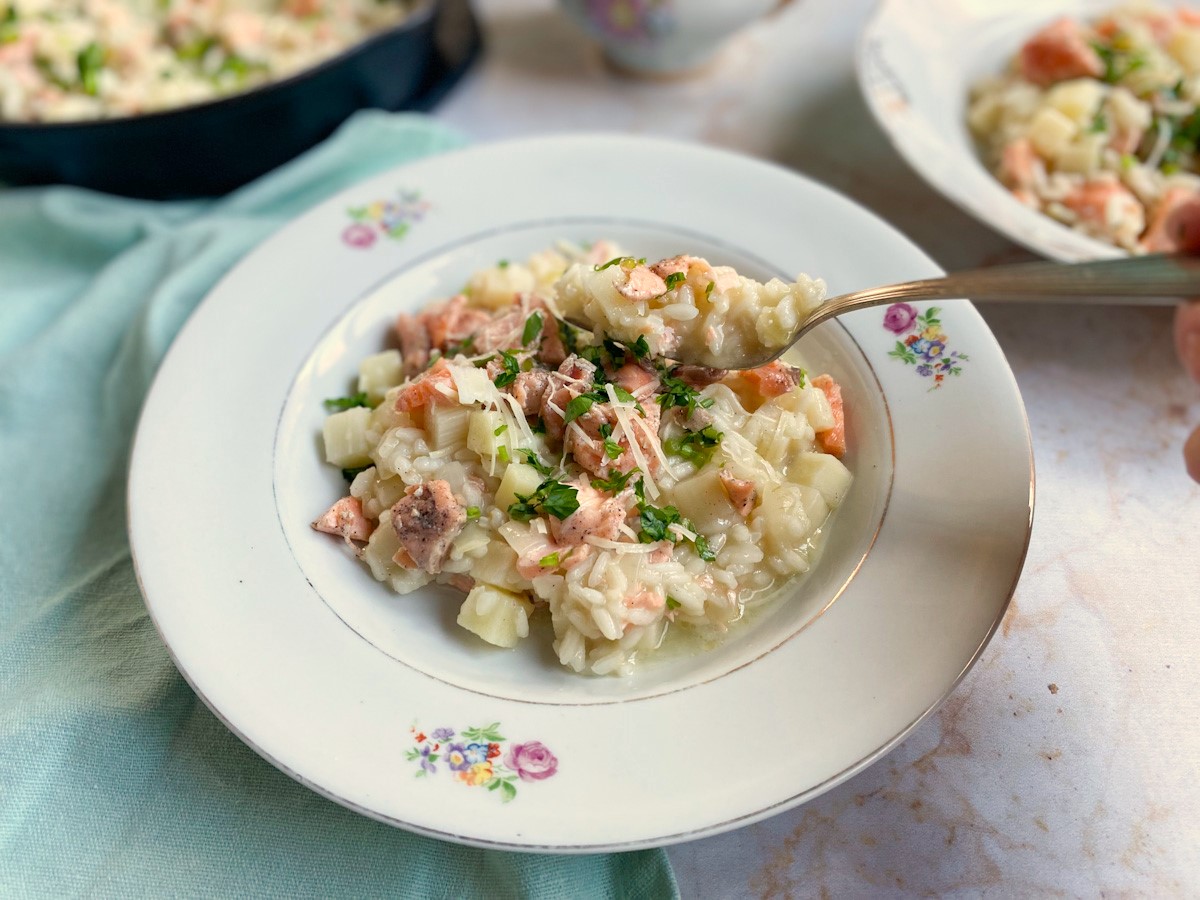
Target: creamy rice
{"points": [[502, 453], [68, 60], [1096, 125]]}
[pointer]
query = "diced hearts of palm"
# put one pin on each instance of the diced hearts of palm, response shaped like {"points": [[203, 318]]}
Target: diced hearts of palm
{"points": [[427, 520], [1059, 52], [346, 518]]}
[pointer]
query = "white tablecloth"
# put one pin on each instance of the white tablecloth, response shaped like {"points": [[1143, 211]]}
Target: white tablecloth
{"points": [[1068, 762]]}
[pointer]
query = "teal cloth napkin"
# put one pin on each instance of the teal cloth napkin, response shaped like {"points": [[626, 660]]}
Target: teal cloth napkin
{"points": [[115, 780]]}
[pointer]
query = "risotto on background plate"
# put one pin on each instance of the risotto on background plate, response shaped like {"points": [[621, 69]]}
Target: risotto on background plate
{"points": [[1069, 126], [1096, 124], [72, 60]]}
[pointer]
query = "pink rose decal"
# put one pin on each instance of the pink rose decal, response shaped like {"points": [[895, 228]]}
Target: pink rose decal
{"points": [[531, 761], [358, 235], [478, 759], [899, 317]]}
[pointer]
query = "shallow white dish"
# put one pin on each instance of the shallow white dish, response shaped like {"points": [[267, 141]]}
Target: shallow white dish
{"points": [[917, 61], [343, 685]]}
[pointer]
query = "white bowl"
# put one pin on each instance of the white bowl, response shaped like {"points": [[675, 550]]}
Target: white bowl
{"points": [[342, 684], [917, 61]]}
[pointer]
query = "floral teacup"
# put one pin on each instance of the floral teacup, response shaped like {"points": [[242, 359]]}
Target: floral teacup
{"points": [[658, 37]]}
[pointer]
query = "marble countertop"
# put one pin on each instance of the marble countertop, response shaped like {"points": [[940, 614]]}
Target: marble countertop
{"points": [[1066, 763]]}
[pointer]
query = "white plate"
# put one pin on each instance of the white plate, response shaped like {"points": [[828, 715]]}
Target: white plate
{"points": [[333, 679], [917, 61]]}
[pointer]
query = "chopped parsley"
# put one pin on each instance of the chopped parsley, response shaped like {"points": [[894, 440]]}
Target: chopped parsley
{"points": [[1099, 123], [482, 363], [532, 459], [625, 397], [1118, 63], [90, 61], [474, 512], [352, 473], [677, 392], [511, 369], [552, 498], [611, 448], [615, 482], [503, 264], [674, 280], [466, 347], [579, 406], [641, 347], [656, 525], [567, 333], [538, 427], [695, 446], [533, 328], [672, 603], [709, 289], [344, 403], [625, 262], [549, 560]]}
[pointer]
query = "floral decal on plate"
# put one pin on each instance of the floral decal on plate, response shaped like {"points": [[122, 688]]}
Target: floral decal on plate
{"points": [[478, 758], [925, 345], [644, 20], [387, 218]]}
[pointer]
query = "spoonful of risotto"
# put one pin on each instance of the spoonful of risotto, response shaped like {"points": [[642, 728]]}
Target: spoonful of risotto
{"points": [[688, 310]]}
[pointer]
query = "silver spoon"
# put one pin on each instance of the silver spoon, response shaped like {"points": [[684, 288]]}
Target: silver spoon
{"points": [[1136, 281]]}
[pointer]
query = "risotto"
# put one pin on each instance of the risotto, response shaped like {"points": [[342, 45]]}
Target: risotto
{"points": [[1097, 124], [67, 60], [544, 471]]}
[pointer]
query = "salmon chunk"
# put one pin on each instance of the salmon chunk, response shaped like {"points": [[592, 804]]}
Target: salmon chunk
{"points": [[346, 517], [832, 440], [1059, 52], [1175, 224], [774, 379], [742, 494], [427, 520]]}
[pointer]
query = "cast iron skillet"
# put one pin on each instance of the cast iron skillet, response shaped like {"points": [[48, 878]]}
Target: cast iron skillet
{"points": [[210, 148]]}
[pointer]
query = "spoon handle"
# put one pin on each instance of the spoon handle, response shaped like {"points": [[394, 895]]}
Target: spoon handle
{"points": [[1137, 281]]}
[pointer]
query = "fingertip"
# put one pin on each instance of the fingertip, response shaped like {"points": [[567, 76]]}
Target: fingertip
{"points": [[1187, 337], [1191, 455]]}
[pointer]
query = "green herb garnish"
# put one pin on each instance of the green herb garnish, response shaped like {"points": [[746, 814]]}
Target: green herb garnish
{"points": [[532, 459], [615, 482], [343, 403], [90, 61], [502, 453], [696, 447], [500, 429], [511, 369], [677, 392], [352, 473], [674, 280], [625, 262], [533, 328], [474, 512], [672, 603], [549, 560], [611, 448], [552, 498]]}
